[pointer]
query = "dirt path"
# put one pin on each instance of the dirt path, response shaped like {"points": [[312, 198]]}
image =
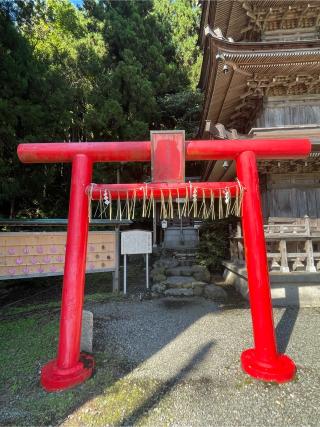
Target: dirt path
{"points": [[159, 362], [185, 367]]}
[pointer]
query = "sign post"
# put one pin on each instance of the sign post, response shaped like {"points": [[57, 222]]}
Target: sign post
{"points": [[125, 275], [147, 270], [134, 242]]}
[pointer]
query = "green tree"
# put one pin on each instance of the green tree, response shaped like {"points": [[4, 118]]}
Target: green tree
{"points": [[72, 51], [20, 114], [182, 19], [142, 66], [112, 70]]}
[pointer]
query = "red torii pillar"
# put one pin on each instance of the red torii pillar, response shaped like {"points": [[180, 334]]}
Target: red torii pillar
{"points": [[263, 361]]}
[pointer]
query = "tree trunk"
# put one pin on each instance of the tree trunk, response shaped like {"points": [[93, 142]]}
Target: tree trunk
{"points": [[12, 203]]}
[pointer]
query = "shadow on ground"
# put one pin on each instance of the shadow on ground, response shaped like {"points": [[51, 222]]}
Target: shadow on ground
{"points": [[285, 327], [29, 332], [30, 338]]}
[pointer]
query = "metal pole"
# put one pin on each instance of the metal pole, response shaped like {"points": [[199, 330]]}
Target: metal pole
{"points": [[71, 368], [125, 274], [154, 223], [115, 284], [147, 270], [118, 201], [263, 361]]}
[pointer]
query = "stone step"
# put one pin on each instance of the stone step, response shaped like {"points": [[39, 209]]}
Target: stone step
{"points": [[186, 251], [216, 293], [179, 292], [182, 282], [185, 256], [180, 271], [166, 262], [186, 263], [180, 286]]}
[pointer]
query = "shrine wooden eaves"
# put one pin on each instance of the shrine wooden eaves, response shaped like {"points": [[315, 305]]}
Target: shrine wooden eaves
{"points": [[249, 19], [237, 75]]}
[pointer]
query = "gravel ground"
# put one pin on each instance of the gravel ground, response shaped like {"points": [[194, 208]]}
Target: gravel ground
{"points": [[191, 347]]}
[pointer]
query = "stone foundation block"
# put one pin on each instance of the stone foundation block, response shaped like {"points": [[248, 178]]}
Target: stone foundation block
{"points": [[158, 287], [179, 292], [157, 270], [198, 291], [179, 271], [86, 331], [159, 278], [215, 292], [203, 276], [166, 263]]}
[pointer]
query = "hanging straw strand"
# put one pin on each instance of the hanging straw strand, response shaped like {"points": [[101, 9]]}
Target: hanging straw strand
{"points": [[170, 205], [178, 200], [90, 202], [234, 206], [220, 205], [148, 210], [227, 201], [134, 203]]}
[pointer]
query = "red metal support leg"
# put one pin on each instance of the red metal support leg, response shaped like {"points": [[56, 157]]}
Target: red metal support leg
{"points": [[263, 361], [71, 368]]}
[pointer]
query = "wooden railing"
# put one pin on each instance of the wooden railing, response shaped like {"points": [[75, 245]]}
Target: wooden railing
{"points": [[293, 245]]}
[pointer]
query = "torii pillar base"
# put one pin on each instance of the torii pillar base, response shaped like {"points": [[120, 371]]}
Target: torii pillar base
{"points": [[281, 370], [54, 378]]}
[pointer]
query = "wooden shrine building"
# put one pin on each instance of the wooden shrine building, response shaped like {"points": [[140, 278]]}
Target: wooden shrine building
{"points": [[261, 79]]}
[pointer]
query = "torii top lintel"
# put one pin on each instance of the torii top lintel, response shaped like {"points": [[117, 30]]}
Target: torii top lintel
{"points": [[140, 151]]}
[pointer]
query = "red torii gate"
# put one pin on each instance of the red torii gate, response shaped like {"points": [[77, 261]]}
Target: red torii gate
{"points": [[167, 151]]}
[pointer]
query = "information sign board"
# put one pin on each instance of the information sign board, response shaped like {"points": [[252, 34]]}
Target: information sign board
{"points": [[136, 242]]}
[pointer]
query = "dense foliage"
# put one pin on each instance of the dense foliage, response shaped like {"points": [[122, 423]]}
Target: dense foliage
{"points": [[214, 243], [110, 70]]}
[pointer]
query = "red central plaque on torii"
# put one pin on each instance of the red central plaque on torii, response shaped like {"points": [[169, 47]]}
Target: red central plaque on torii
{"points": [[168, 156]]}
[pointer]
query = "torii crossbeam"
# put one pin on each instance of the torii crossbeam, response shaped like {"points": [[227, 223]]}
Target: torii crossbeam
{"points": [[167, 152]]}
